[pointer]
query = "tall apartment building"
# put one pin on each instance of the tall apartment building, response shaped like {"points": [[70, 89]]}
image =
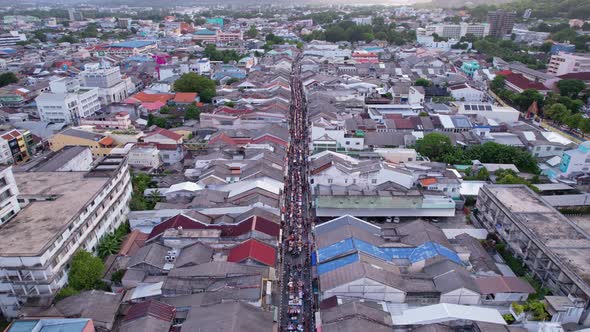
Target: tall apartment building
{"points": [[565, 63], [62, 212], [501, 23], [112, 88], [216, 36], [9, 206], [456, 31], [67, 102], [11, 38], [552, 247]]}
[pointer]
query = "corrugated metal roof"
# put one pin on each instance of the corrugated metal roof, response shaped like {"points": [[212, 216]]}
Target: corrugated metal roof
{"points": [[415, 254], [151, 308], [255, 250]]}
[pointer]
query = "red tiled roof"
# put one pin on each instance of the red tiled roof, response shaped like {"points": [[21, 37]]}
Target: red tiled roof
{"points": [[504, 72], [502, 284], [427, 181], [272, 139], [132, 243], [178, 220], [257, 223], [524, 83], [255, 250], [185, 97], [11, 135], [165, 132], [107, 141], [155, 106], [151, 97], [152, 308], [459, 86], [392, 116], [403, 123], [584, 76]]}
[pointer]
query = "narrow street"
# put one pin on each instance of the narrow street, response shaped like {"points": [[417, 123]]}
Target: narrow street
{"points": [[297, 307]]}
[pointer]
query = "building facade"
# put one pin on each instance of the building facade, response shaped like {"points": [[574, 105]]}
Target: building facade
{"points": [[501, 23], [8, 195], [112, 88], [67, 102], [551, 246], [65, 212], [565, 63]]}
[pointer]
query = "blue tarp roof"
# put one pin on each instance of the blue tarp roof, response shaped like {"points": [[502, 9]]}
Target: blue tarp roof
{"points": [[349, 245], [337, 263]]}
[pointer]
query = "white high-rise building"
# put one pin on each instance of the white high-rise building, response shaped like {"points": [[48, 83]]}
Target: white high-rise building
{"points": [[8, 195], [67, 102], [62, 212], [456, 31], [112, 88], [565, 63]]}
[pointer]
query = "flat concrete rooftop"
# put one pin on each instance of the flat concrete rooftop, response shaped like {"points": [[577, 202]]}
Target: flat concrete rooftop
{"points": [[40, 223], [561, 236]]}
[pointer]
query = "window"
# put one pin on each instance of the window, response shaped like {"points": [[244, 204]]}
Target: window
{"points": [[330, 181], [548, 148], [374, 181]]}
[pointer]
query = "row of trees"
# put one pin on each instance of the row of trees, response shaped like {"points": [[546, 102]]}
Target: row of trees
{"points": [[351, 32], [226, 56], [508, 50], [562, 108], [438, 147]]}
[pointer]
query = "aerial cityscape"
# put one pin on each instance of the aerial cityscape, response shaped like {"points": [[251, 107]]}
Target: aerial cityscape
{"points": [[319, 166]]}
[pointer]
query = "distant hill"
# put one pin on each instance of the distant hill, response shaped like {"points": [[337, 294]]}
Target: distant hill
{"points": [[541, 8]]}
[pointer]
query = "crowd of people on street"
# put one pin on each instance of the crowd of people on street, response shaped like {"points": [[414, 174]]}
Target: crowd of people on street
{"points": [[297, 301]]}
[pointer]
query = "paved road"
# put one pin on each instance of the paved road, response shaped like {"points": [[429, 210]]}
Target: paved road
{"points": [[297, 300]]}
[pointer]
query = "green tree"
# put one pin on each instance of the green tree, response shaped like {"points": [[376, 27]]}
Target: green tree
{"points": [[423, 82], [117, 276], [557, 112], [570, 88], [108, 245], [65, 292], [434, 146], [7, 78], [192, 112], [40, 34], [574, 121], [498, 83], [192, 82], [232, 81], [252, 32], [585, 126], [86, 271], [527, 97], [67, 39], [492, 152]]}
